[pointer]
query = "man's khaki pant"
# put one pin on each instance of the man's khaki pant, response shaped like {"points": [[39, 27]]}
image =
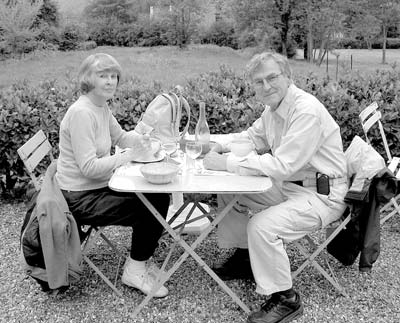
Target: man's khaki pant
{"points": [[264, 223]]}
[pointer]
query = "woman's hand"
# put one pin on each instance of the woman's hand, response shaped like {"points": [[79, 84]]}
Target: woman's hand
{"points": [[215, 161]]}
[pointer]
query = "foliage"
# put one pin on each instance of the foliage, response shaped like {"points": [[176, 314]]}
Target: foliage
{"points": [[71, 37], [49, 34], [16, 21], [107, 10], [221, 33], [18, 16], [18, 43], [184, 16], [146, 32]]}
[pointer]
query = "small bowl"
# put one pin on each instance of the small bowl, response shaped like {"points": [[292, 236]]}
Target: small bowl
{"points": [[159, 173], [241, 147]]}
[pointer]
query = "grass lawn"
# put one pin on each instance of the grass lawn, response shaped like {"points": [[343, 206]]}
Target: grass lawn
{"points": [[171, 66]]}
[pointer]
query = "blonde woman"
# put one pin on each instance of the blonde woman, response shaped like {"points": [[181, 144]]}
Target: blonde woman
{"points": [[85, 165]]}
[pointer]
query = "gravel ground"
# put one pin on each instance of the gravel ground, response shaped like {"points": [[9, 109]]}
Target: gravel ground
{"points": [[194, 296]]}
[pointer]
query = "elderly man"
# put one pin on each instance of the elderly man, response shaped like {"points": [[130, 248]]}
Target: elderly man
{"points": [[300, 148]]}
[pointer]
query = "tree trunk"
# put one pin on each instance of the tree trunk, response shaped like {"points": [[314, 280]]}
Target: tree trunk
{"points": [[384, 30], [310, 40], [285, 17]]}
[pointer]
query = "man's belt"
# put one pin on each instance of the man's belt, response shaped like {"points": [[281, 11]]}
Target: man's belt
{"points": [[311, 182]]}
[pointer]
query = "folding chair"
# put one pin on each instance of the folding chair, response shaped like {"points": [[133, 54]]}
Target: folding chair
{"points": [[369, 117], [316, 247], [32, 153]]}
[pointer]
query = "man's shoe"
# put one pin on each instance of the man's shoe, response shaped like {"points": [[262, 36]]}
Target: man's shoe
{"points": [[278, 309], [236, 267], [144, 282]]}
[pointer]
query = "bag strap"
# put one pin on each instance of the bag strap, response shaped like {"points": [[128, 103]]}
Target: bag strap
{"points": [[187, 108]]}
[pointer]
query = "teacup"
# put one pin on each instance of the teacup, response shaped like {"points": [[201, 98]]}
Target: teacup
{"points": [[241, 147]]}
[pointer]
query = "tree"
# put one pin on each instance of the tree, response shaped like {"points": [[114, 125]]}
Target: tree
{"points": [[367, 27], [322, 21], [18, 15], [184, 16], [284, 10], [48, 13], [388, 13]]}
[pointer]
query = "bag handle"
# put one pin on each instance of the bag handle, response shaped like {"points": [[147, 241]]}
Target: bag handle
{"points": [[187, 108]]}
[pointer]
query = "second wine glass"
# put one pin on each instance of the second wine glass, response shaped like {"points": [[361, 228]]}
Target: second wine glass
{"points": [[193, 150]]}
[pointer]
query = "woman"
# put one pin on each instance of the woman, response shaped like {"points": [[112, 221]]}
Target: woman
{"points": [[87, 132]]}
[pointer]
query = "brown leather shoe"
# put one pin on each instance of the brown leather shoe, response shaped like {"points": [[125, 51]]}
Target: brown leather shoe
{"points": [[278, 309], [236, 267]]}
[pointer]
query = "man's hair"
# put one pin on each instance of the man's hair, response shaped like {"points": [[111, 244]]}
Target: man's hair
{"points": [[259, 59], [93, 64]]}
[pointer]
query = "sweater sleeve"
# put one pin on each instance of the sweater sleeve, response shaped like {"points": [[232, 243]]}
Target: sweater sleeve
{"points": [[120, 137]]}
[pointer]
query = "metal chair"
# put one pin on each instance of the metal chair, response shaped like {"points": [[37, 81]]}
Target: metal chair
{"points": [[317, 247], [369, 117], [32, 153]]}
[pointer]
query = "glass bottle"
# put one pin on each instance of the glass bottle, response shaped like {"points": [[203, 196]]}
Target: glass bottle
{"points": [[202, 132]]}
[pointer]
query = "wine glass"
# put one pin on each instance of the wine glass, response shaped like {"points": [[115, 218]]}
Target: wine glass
{"points": [[193, 150], [169, 146]]}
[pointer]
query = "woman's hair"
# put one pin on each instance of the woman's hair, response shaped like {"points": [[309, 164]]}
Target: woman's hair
{"points": [[258, 59], [93, 64]]}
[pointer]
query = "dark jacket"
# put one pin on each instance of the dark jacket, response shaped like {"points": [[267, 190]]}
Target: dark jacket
{"points": [[362, 234], [50, 241]]}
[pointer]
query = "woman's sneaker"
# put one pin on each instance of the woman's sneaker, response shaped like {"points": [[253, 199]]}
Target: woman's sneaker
{"points": [[143, 281]]}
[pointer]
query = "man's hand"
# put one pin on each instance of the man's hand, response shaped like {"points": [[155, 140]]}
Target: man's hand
{"points": [[215, 161]]}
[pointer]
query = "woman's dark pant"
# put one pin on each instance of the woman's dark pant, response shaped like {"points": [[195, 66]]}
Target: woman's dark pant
{"points": [[104, 207]]}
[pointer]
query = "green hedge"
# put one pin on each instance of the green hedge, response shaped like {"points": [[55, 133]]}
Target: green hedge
{"points": [[230, 102]]}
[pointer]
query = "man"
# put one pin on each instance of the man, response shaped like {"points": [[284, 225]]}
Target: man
{"points": [[298, 141]]}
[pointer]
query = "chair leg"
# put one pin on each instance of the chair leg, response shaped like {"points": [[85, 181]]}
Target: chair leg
{"points": [[393, 212], [87, 246], [310, 257], [98, 272]]}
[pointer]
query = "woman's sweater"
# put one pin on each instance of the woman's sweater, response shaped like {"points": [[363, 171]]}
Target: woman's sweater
{"points": [[87, 133]]}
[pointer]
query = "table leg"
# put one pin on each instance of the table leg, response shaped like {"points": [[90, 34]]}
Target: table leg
{"points": [[189, 250]]}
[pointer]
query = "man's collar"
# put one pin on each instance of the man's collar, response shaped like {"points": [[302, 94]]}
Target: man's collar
{"points": [[287, 103]]}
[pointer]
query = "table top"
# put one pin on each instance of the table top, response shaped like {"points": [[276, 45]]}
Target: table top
{"points": [[128, 178]]}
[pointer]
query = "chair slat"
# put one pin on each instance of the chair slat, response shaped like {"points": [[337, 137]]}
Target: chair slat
{"points": [[368, 110], [367, 124], [31, 145], [35, 158]]}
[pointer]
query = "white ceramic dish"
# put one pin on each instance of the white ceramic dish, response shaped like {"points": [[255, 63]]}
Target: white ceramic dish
{"points": [[159, 173]]}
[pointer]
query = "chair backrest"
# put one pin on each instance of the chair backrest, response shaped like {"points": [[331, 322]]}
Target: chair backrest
{"points": [[33, 152], [369, 117]]}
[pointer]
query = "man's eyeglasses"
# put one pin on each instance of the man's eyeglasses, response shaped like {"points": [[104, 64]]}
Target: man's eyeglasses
{"points": [[270, 79]]}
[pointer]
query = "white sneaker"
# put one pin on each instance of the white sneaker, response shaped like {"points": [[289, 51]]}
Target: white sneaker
{"points": [[144, 282]]}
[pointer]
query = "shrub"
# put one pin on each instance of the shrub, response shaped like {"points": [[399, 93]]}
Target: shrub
{"points": [[221, 33], [71, 37], [87, 45], [49, 34], [20, 42], [391, 43], [230, 106]]}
